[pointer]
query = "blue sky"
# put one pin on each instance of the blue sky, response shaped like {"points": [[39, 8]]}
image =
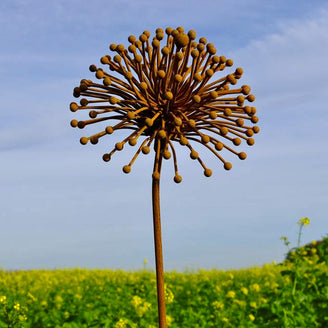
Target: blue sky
{"points": [[62, 206]]}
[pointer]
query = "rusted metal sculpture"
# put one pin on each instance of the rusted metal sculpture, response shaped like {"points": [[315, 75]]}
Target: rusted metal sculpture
{"points": [[164, 95]]}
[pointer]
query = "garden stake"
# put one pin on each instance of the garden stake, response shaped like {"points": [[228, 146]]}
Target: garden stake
{"points": [[166, 97]]}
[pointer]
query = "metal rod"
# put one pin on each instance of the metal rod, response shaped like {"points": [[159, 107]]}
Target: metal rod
{"points": [[158, 249]]}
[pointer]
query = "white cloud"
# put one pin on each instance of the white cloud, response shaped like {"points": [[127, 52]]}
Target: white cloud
{"points": [[289, 66]]}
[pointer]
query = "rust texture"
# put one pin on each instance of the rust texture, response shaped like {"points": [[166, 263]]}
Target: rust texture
{"points": [[164, 91]]}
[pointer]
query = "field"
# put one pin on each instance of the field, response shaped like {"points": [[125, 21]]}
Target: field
{"points": [[271, 296], [290, 294]]}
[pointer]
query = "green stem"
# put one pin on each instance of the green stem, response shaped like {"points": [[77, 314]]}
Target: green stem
{"points": [[299, 236]]}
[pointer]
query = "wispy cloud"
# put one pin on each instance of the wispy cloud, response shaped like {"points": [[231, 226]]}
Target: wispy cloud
{"points": [[54, 188], [289, 66]]}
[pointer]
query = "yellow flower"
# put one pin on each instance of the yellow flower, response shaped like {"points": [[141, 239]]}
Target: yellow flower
{"points": [[303, 221], [255, 287], [136, 301], [169, 320], [244, 290], [251, 317], [253, 305], [58, 299], [218, 289], [3, 299], [231, 294], [218, 305], [44, 303], [169, 296], [145, 261], [141, 310], [17, 306], [78, 296], [225, 319], [122, 323]]}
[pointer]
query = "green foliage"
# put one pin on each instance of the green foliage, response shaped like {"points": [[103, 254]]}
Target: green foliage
{"points": [[12, 314], [288, 295], [291, 294], [311, 250]]}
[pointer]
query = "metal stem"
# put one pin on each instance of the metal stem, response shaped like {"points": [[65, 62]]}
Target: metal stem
{"points": [[158, 250]]}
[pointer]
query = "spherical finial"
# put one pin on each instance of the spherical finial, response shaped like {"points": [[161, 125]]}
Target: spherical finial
{"points": [[250, 141], [168, 30], [161, 74], [130, 115], [106, 157], [132, 38], [165, 51], [242, 155], [192, 123], [120, 48], [192, 34], [178, 121], [256, 129], [73, 107], [113, 47], [113, 100], [104, 60], [155, 43], [178, 78], [94, 140], [162, 134], [196, 98], [250, 98], [126, 168], [84, 140], [109, 130], [119, 146], [227, 166], [183, 141], [193, 154], [177, 178], [168, 95], [207, 172], [181, 40], [245, 89], [167, 154], [74, 123], [205, 138], [145, 150], [219, 146], [229, 62]]}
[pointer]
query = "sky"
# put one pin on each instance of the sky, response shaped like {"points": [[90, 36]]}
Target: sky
{"points": [[61, 206]]}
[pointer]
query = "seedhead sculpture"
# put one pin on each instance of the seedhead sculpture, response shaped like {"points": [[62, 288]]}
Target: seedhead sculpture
{"points": [[165, 94]]}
